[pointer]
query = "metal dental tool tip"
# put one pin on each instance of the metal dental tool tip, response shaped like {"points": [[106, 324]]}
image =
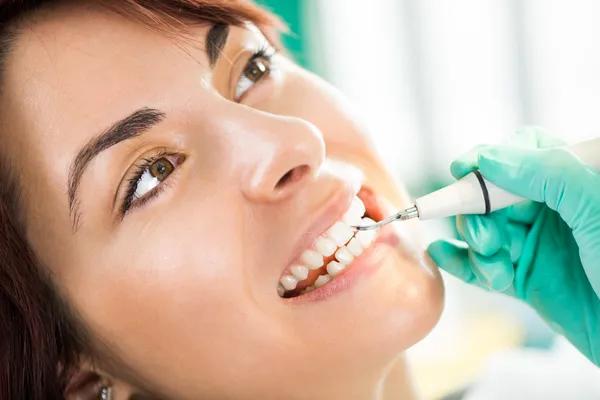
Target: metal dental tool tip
{"points": [[404, 215]]}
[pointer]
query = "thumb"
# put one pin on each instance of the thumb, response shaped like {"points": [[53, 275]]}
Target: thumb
{"points": [[552, 176]]}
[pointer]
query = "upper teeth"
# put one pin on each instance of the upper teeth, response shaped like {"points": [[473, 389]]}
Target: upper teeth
{"points": [[312, 259], [300, 272], [325, 246], [339, 239], [340, 233], [289, 282]]}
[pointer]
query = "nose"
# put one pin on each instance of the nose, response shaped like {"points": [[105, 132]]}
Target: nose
{"points": [[290, 154]]}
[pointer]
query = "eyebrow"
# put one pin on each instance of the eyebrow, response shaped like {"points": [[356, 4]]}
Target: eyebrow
{"points": [[215, 41], [132, 126]]}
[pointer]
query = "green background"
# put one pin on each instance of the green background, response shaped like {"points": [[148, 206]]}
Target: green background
{"points": [[291, 12]]}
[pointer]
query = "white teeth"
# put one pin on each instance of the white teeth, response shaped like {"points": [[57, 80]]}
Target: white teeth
{"points": [[312, 259], [359, 206], [355, 247], [351, 219], [356, 185], [325, 246], [299, 272], [366, 221], [308, 289], [366, 238], [355, 212], [340, 233], [321, 280], [340, 239], [289, 282], [344, 256], [334, 268], [353, 215]]}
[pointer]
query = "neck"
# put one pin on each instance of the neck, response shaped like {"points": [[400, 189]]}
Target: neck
{"points": [[394, 383], [398, 384]]}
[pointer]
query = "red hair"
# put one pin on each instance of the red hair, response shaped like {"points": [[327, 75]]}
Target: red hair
{"points": [[41, 340]]}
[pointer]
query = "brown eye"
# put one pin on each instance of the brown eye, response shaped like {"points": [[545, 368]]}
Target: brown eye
{"points": [[255, 70], [150, 177], [161, 169]]}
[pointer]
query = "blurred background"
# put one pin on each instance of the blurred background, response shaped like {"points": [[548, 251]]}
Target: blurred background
{"points": [[434, 78]]}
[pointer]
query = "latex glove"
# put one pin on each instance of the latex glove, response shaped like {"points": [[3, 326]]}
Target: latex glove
{"points": [[546, 253]]}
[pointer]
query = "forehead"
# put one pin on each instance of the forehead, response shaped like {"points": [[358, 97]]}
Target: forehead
{"points": [[75, 70], [72, 73], [76, 60]]}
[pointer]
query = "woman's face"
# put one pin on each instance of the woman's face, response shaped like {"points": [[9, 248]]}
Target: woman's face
{"points": [[169, 193]]}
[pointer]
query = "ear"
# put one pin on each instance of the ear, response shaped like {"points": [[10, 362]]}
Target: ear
{"points": [[87, 384], [92, 383]]}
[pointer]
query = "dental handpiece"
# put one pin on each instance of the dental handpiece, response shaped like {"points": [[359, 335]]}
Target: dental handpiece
{"points": [[473, 194]]}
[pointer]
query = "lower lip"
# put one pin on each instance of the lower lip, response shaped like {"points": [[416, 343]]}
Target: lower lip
{"points": [[364, 266]]}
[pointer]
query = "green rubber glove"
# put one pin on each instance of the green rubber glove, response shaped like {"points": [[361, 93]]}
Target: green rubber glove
{"points": [[545, 252]]}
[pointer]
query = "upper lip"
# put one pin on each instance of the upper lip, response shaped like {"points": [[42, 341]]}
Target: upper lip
{"points": [[333, 210]]}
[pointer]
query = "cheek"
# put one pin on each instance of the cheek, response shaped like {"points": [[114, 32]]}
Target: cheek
{"points": [[167, 284], [303, 95], [310, 98]]}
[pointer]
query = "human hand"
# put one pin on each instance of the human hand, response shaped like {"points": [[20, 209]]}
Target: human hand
{"points": [[545, 251]]}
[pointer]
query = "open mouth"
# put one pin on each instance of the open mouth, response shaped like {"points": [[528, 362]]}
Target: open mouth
{"points": [[334, 250]]}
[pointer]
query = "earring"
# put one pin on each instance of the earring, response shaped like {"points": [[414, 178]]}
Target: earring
{"points": [[106, 393]]}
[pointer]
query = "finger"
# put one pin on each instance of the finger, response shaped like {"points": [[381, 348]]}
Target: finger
{"points": [[533, 137], [453, 257], [466, 163], [485, 234], [518, 235], [525, 212], [530, 136], [553, 176], [495, 272]]}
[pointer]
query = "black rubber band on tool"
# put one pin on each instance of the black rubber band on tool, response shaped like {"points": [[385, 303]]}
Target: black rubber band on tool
{"points": [[484, 190]]}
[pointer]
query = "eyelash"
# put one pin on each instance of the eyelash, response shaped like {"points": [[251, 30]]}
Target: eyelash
{"points": [[267, 52], [134, 180]]}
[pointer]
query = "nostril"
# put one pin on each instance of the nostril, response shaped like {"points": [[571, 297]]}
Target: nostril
{"points": [[293, 175], [284, 179]]}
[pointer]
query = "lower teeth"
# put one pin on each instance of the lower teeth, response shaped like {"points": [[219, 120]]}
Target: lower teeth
{"points": [[321, 280], [308, 289]]}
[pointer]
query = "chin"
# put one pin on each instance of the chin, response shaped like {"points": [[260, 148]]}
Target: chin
{"points": [[403, 303], [388, 299], [408, 291]]}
